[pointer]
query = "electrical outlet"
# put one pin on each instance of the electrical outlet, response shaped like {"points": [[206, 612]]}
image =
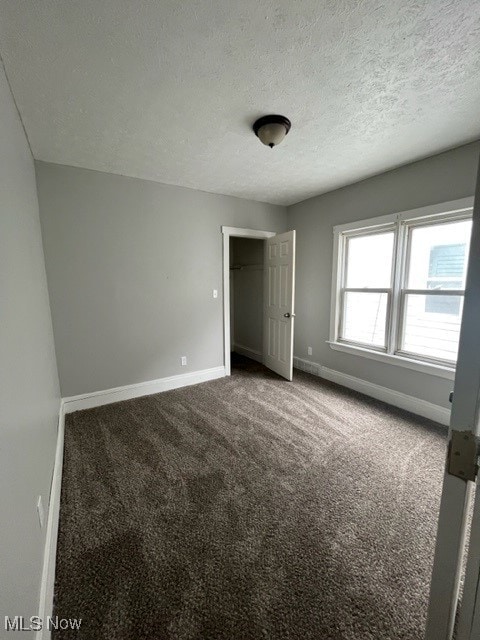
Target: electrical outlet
{"points": [[309, 351], [184, 361], [40, 511], [215, 293]]}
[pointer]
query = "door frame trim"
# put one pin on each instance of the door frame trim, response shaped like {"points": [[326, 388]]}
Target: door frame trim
{"points": [[233, 232], [456, 493]]}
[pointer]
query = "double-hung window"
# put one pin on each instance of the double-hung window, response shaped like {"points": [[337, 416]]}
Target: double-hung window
{"points": [[399, 283]]}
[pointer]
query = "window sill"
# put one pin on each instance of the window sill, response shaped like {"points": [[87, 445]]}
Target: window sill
{"points": [[432, 369]]}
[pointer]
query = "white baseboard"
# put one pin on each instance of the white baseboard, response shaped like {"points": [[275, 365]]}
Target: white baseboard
{"points": [[99, 398], [253, 354], [45, 608], [395, 398]]}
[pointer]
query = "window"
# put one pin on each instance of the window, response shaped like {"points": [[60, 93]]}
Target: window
{"points": [[399, 283], [366, 296]]}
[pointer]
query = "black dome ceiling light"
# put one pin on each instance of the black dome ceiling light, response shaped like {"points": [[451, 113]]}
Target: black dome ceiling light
{"points": [[272, 129]]}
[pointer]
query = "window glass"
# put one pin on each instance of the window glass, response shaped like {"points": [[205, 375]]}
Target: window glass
{"points": [[438, 256], [369, 261], [365, 317], [432, 325]]}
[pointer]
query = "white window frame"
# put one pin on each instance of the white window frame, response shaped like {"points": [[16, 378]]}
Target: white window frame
{"points": [[401, 223]]}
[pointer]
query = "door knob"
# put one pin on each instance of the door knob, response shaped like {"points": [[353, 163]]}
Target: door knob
{"points": [[289, 315]]}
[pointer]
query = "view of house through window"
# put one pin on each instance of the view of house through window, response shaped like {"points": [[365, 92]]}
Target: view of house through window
{"points": [[402, 285], [438, 263]]}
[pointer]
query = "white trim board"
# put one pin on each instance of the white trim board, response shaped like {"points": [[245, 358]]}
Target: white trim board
{"points": [[45, 608], [253, 354], [395, 360], [452, 206], [239, 232], [402, 400], [108, 396]]}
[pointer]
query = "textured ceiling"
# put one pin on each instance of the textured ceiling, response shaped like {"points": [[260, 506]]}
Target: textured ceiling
{"points": [[168, 90]]}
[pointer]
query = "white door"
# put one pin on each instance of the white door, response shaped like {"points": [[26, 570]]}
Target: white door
{"points": [[278, 306], [469, 618], [451, 534]]}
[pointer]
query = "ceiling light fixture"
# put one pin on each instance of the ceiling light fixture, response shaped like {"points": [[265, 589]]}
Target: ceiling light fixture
{"points": [[272, 129]]}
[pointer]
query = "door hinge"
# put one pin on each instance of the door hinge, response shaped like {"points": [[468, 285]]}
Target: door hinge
{"points": [[463, 452]]}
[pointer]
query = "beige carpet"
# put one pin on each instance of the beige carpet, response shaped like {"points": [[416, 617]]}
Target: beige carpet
{"points": [[248, 508]]}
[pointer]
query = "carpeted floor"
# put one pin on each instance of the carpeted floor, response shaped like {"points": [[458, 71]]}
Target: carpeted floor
{"points": [[248, 508]]}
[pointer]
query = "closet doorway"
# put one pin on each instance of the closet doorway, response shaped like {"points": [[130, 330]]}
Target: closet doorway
{"points": [[246, 297], [258, 297]]}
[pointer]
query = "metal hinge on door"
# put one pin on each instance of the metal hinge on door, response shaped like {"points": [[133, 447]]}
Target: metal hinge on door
{"points": [[463, 452]]}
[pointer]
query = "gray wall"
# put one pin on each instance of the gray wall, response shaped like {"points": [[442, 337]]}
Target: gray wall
{"points": [[29, 390], [248, 292], [444, 177], [131, 266]]}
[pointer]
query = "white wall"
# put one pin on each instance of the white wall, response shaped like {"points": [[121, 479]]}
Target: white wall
{"points": [[131, 266], [441, 178], [247, 292], [29, 390]]}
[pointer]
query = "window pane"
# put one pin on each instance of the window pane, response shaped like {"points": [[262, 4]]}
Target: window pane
{"points": [[365, 317], [369, 261], [438, 255], [432, 325]]}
